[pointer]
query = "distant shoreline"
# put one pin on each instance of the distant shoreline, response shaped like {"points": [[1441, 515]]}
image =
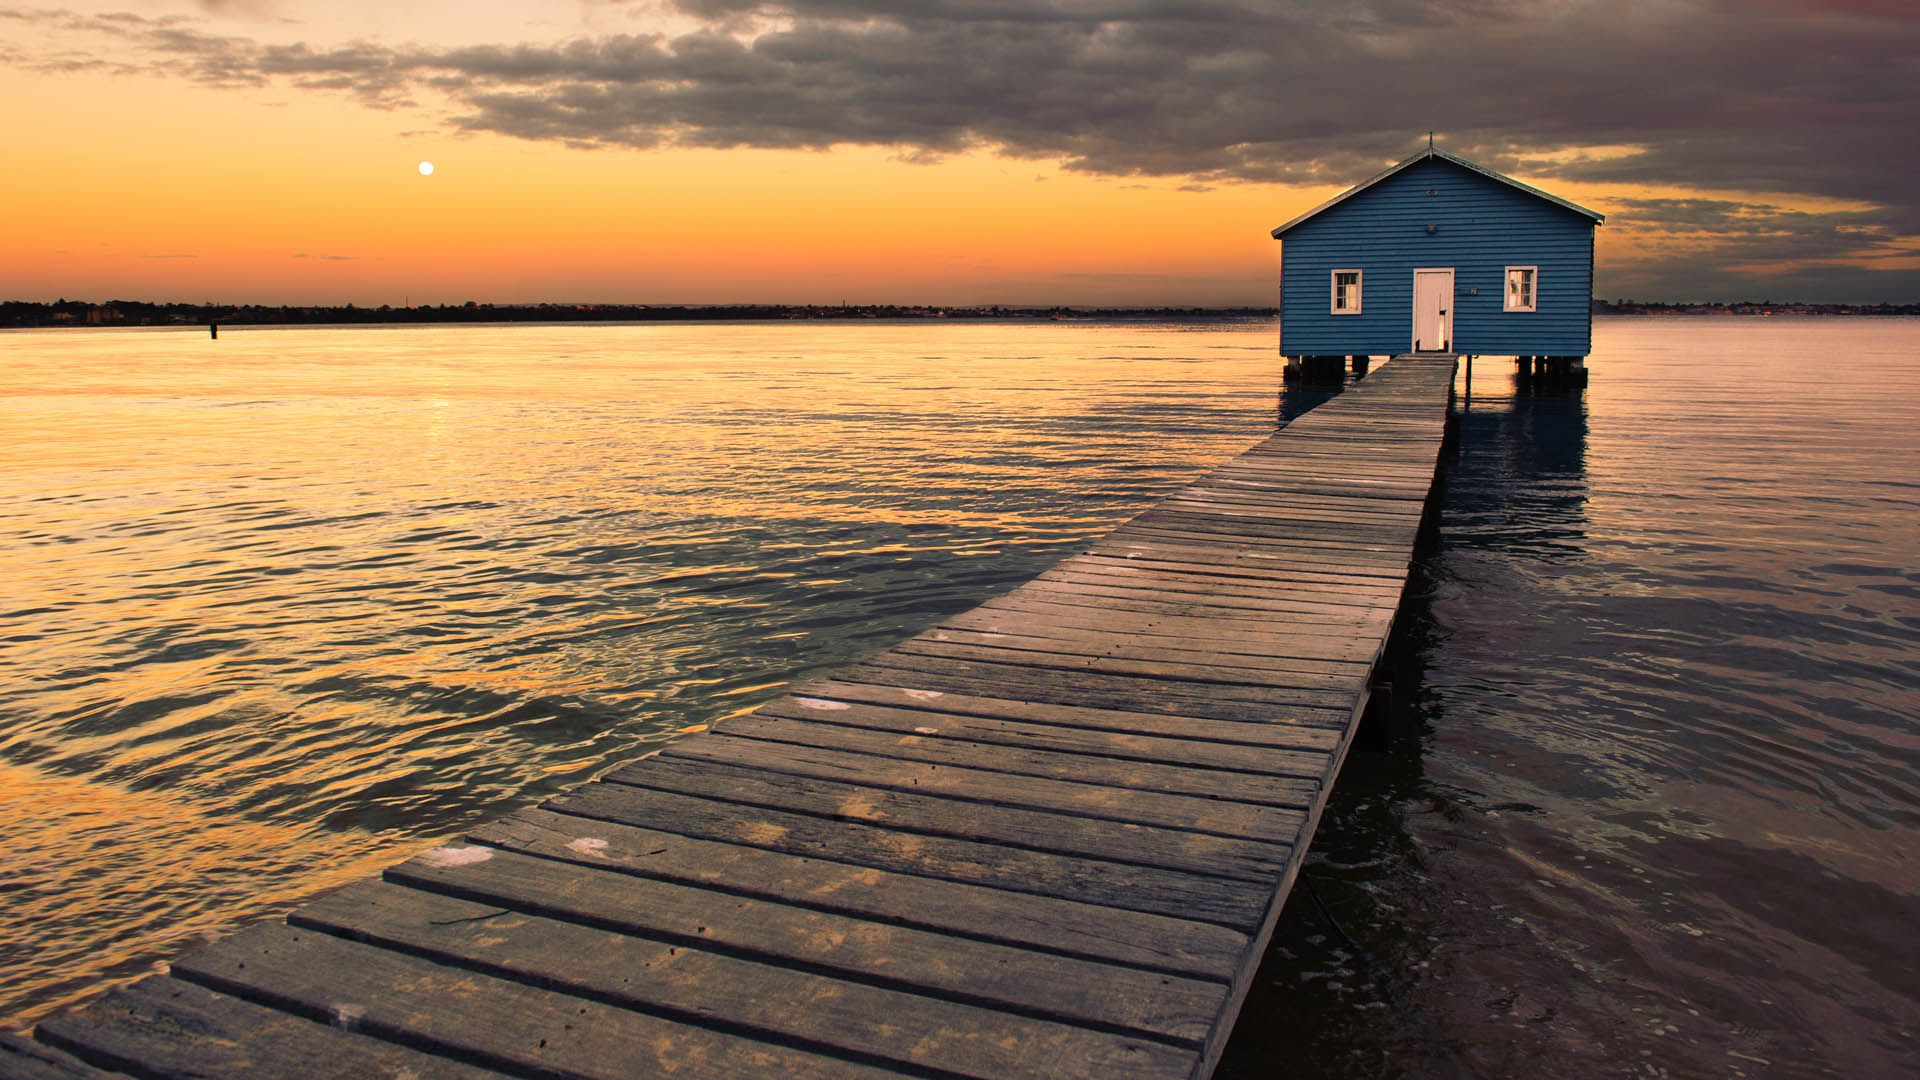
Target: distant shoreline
{"points": [[80, 313], [137, 313]]}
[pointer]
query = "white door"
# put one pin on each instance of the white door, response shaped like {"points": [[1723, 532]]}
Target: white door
{"points": [[1432, 310]]}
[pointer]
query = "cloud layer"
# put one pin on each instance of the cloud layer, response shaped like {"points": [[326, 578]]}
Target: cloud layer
{"points": [[1784, 97]]}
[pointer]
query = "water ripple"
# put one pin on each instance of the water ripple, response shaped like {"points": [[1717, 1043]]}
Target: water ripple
{"points": [[327, 593]]}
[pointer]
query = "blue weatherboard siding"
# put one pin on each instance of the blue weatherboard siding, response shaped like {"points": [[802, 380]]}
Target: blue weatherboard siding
{"points": [[1482, 227]]}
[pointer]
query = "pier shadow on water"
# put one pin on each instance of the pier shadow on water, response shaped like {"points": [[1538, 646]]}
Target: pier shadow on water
{"points": [[1302, 395], [1357, 979]]}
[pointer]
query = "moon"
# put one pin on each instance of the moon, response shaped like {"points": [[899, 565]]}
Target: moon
{"points": [[426, 168]]}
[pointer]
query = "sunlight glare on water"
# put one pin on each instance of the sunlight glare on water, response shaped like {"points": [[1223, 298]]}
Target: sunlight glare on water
{"points": [[289, 604]]}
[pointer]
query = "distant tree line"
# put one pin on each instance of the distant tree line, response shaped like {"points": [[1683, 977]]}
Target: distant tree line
{"points": [[65, 312], [1748, 307]]}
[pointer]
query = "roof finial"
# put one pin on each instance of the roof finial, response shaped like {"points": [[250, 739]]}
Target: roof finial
{"points": [[1429, 140]]}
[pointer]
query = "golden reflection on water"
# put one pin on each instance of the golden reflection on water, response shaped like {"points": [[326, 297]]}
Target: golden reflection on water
{"points": [[284, 604], [167, 873]]}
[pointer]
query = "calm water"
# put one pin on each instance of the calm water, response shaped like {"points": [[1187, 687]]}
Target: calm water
{"points": [[282, 607], [1651, 800]]}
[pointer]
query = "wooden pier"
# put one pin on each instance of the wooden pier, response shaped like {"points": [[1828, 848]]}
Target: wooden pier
{"points": [[1048, 837]]}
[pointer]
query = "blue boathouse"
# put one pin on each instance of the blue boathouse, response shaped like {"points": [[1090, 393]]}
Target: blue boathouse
{"points": [[1438, 254]]}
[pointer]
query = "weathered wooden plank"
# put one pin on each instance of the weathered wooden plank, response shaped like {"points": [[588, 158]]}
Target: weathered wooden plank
{"points": [[1374, 590], [1312, 490], [1241, 493], [1247, 569], [921, 742], [870, 951], [1147, 541], [1278, 524], [1225, 532], [1251, 565], [1241, 488], [1056, 832], [1269, 579], [1214, 587], [816, 1011], [1108, 692], [24, 1059], [1305, 475], [1331, 455], [1218, 700], [1339, 449], [1119, 574], [1318, 455], [1335, 556], [1127, 886], [1283, 625], [1288, 636], [1332, 555], [491, 1021], [1386, 514], [1048, 924], [1380, 527], [1352, 538], [1372, 504], [163, 1027], [1029, 673], [1201, 600], [899, 670], [1264, 472], [1076, 796], [933, 644], [1234, 746], [1339, 660], [1284, 481]]}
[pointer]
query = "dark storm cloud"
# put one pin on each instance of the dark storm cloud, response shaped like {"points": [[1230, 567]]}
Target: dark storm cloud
{"points": [[1791, 97], [1718, 249], [1770, 97], [1752, 237]]}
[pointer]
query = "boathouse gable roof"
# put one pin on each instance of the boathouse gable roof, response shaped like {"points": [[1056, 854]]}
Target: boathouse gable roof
{"points": [[1434, 154]]}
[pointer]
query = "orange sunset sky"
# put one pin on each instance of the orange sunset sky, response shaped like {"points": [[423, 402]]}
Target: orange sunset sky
{"points": [[968, 151]]}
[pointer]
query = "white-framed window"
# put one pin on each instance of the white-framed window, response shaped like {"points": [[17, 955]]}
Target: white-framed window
{"points": [[1346, 292], [1522, 287]]}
